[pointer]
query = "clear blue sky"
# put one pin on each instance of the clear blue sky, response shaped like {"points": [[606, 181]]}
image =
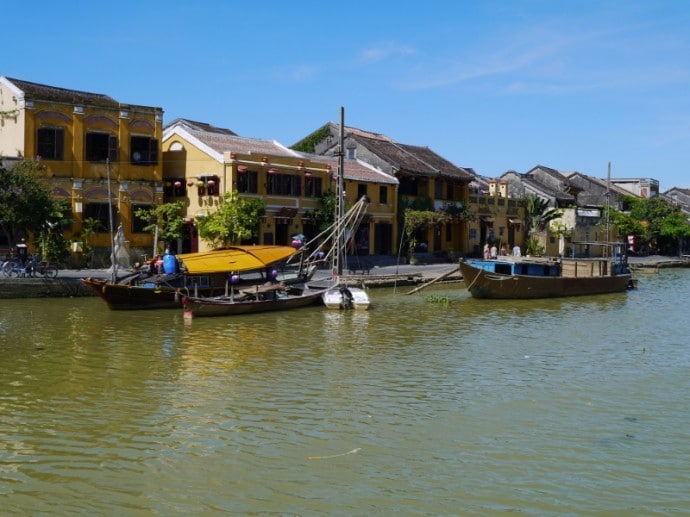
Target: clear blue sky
{"points": [[492, 85]]}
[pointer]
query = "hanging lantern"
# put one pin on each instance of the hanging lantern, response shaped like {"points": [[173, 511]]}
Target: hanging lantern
{"points": [[273, 274], [211, 183], [177, 184], [200, 183], [190, 183], [241, 169], [234, 278], [273, 170]]}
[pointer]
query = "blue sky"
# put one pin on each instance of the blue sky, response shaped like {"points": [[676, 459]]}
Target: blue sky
{"points": [[491, 85]]}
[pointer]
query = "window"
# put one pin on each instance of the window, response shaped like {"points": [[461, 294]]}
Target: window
{"points": [[138, 223], [143, 150], [408, 186], [438, 189], [100, 146], [175, 187], [383, 195], [211, 185], [50, 143], [284, 185], [362, 191], [313, 187], [351, 153], [99, 212], [247, 182]]}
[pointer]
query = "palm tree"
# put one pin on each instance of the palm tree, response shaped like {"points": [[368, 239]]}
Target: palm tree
{"points": [[538, 215]]}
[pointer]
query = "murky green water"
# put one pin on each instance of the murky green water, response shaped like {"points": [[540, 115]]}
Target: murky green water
{"points": [[418, 407]]}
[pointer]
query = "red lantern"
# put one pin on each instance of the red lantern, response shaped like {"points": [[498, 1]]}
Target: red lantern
{"points": [[177, 184], [211, 183], [242, 169], [272, 171], [190, 183]]}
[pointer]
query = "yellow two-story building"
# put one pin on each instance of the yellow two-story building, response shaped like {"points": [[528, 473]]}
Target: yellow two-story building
{"points": [[203, 162], [99, 154]]}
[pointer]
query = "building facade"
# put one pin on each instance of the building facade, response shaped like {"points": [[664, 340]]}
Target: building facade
{"points": [[100, 155], [202, 163]]}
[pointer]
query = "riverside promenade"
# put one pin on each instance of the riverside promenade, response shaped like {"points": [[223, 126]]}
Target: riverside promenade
{"points": [[383, 272]]}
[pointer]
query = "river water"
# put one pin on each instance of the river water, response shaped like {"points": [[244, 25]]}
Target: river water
{"points": [[428, 404]]}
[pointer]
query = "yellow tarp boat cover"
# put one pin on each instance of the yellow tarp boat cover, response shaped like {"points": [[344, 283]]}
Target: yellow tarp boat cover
{"points": [[235, 258]]}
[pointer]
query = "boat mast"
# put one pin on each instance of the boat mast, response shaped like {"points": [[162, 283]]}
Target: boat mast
{"points": [[608, 203], [339, 255], [110, 223]]}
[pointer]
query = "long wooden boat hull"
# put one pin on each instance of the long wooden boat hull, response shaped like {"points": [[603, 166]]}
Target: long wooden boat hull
{"points": [[220, 306], [138, 297], [485, 284], [152, 295]]}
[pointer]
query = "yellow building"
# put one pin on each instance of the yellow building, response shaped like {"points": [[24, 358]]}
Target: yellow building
{"points": [[85, 139], [202, 162], [497, 218]]}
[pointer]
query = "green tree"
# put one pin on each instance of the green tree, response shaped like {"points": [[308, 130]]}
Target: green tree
{"points": [[538, 214], [51, 237], [654, 222], [167, 218], [236, 220], [26, 201], [323, 215]]}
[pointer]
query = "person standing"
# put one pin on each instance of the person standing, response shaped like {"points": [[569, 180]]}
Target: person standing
{"points": [[494, 252]]}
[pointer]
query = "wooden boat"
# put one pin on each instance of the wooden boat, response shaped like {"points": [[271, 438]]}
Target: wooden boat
{"points": [[201, 274], [526, 278], [264, 298]]}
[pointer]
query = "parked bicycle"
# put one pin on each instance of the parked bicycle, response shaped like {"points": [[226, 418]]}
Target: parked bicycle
{"points": [[41, 268], [35, 267]]}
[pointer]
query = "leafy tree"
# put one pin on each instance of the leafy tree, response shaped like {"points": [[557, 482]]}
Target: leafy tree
{"points": [[26, 201], [51, 237], [235, 220], [166, 218], [323, 215], [654, 223], [675, 227], [27, 207], [421, 213]]}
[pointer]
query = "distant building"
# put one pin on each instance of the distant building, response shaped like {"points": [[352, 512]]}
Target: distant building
{"points": [[645, 188]]}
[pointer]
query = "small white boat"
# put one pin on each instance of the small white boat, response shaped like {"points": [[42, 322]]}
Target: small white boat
{"points": [[344, 297]]}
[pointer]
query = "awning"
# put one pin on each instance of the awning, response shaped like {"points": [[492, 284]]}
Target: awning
{"points": [[286, 213], [235, 258], [514, 221]]}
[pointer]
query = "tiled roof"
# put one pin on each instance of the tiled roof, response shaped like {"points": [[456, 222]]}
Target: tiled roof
{"points": [[412, 159], [367, 134], [223, 142], [354, 170], [201, 126], [42, 92]]}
